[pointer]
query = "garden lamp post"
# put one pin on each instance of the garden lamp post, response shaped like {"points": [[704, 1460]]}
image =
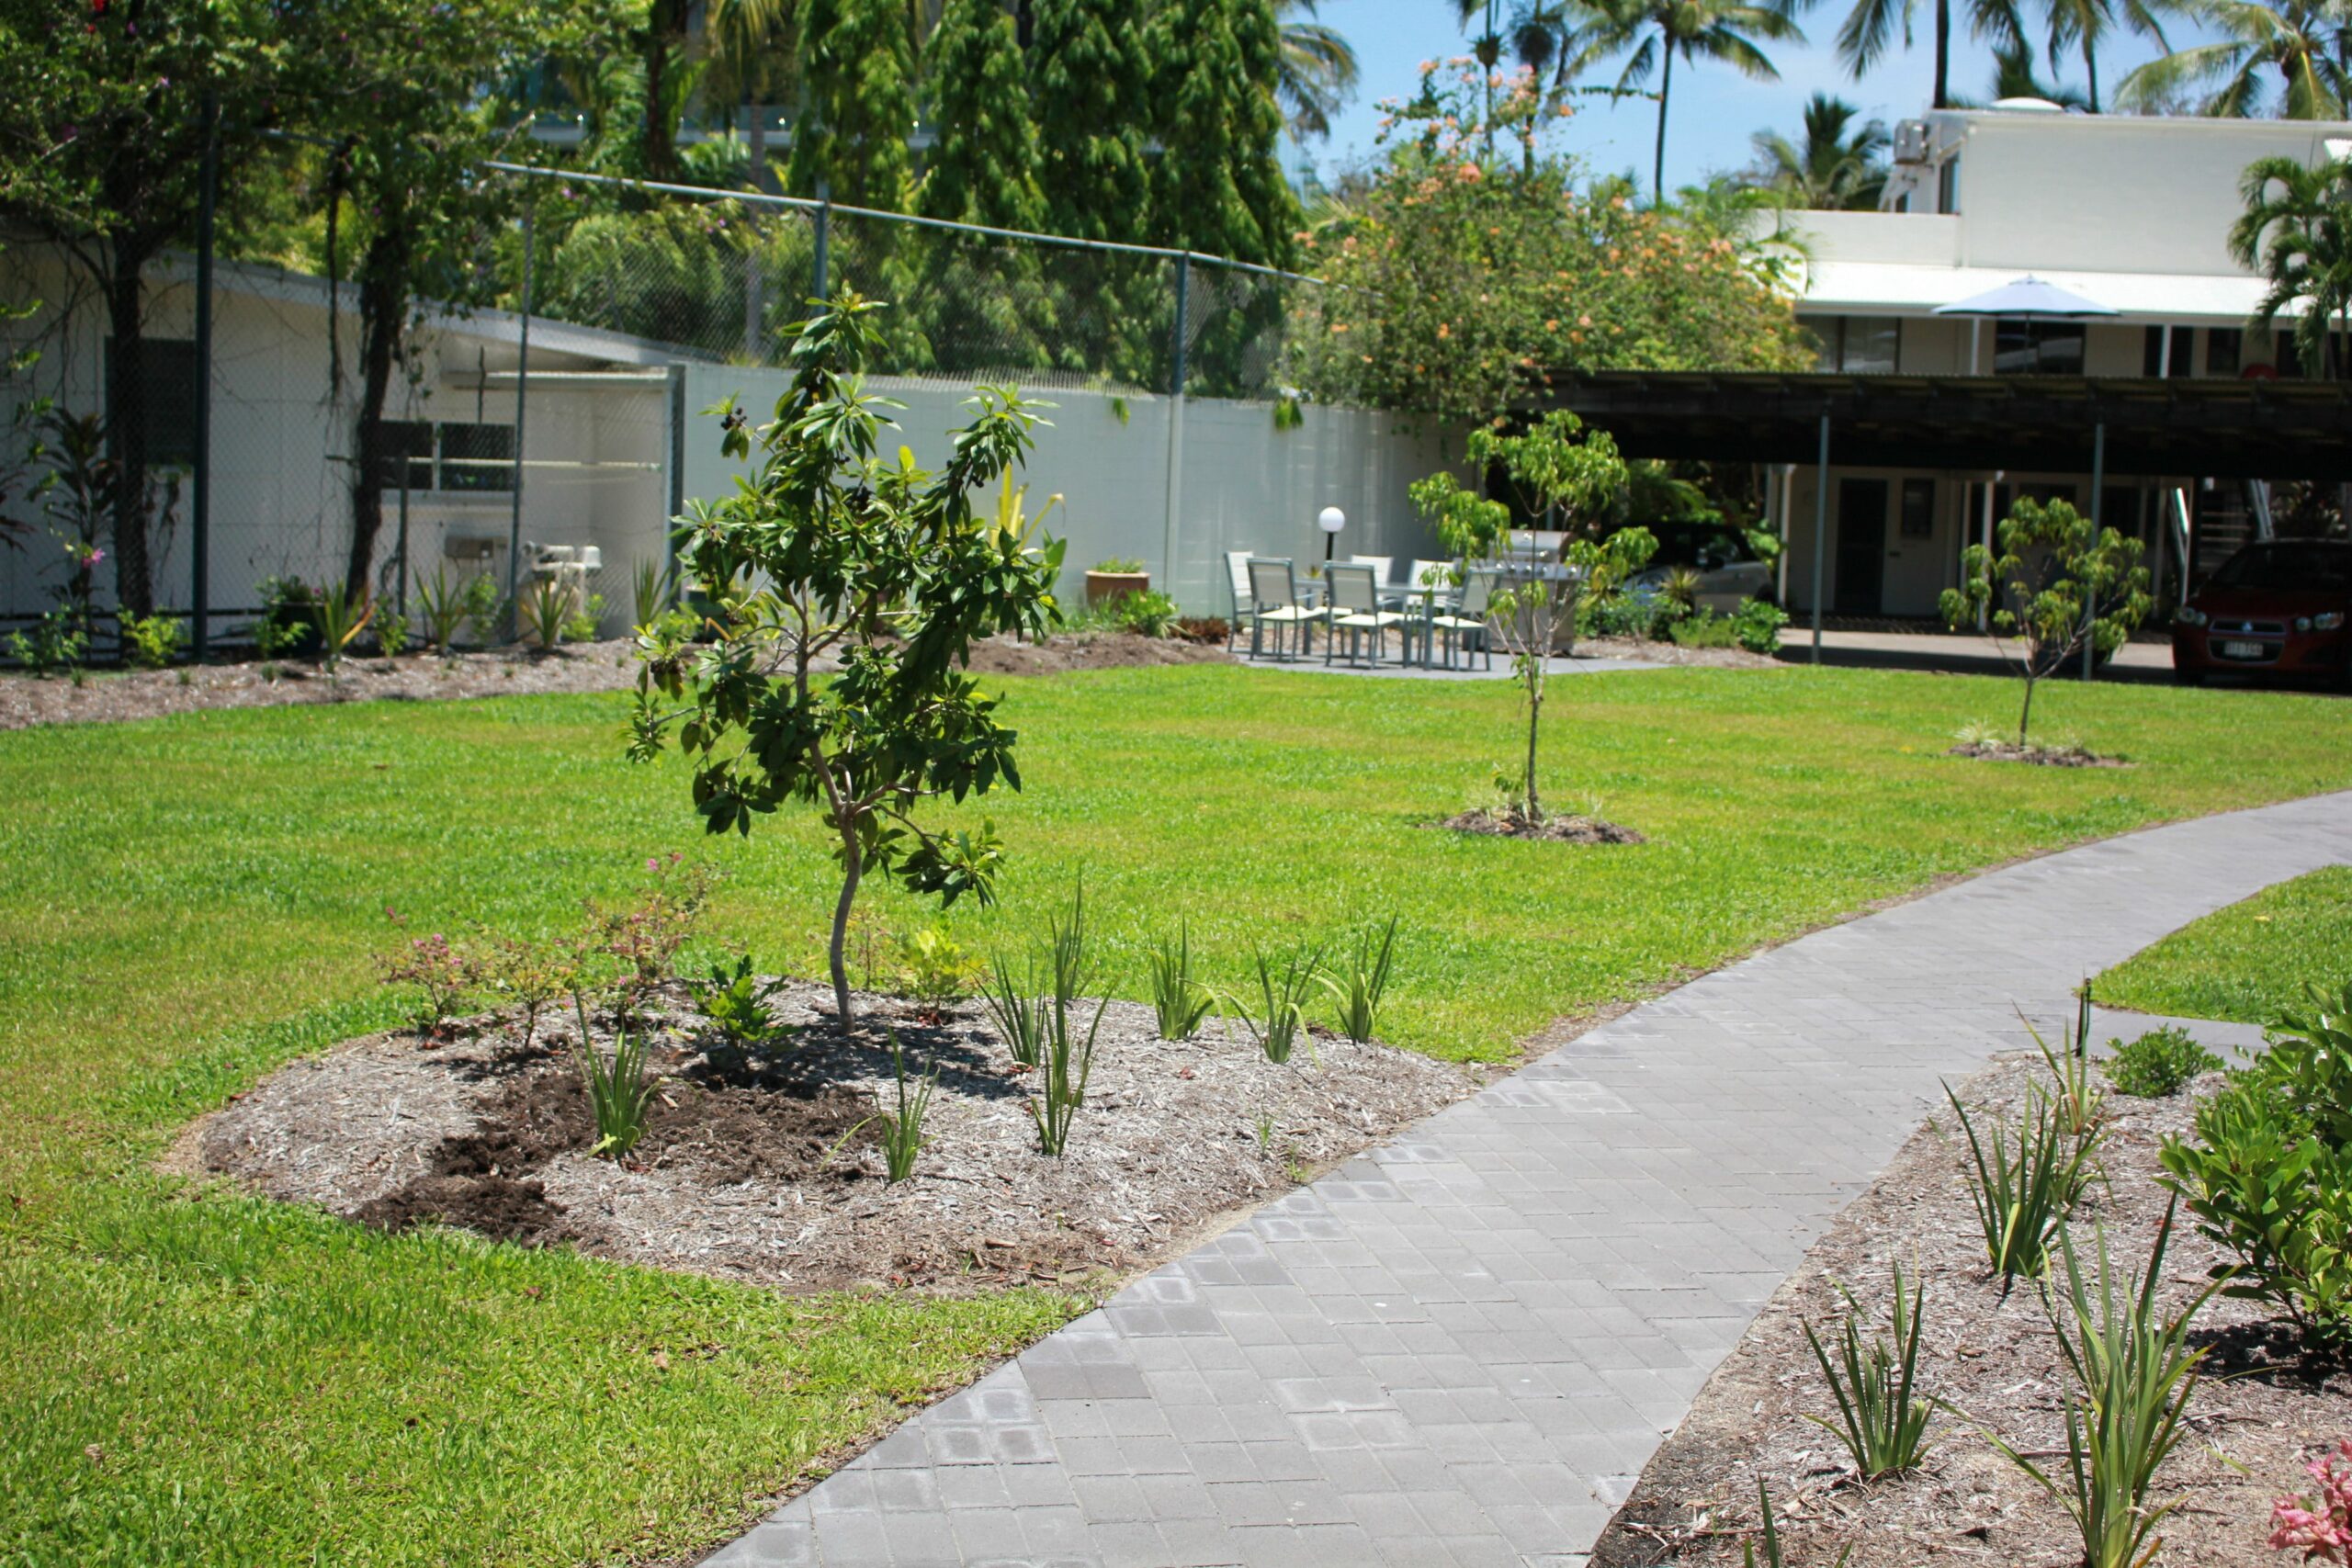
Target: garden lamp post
{"points": [[1330, 520]]}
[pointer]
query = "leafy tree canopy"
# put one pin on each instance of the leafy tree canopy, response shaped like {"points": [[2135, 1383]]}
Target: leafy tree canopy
{"points": [[1468, 281]]}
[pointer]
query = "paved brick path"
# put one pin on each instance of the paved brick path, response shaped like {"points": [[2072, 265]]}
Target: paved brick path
{"points": [[1462, 1346]]}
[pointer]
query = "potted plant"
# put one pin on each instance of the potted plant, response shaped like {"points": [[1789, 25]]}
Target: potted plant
{"points": [[1116, 578]]}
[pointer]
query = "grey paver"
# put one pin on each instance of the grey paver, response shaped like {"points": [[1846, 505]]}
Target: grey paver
{"points": [[1462, 1346]]}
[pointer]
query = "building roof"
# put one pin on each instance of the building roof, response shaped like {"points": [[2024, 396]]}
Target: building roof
{"points": [[2255, 429]]}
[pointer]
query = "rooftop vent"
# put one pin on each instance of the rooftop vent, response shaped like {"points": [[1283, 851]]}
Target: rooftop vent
{"points": [[1911, 141]]}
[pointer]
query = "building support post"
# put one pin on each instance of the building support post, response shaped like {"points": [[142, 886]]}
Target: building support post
{"points": [[824, 235], [1820, 529], [522, 406], [199, 504], [2098, 512]]}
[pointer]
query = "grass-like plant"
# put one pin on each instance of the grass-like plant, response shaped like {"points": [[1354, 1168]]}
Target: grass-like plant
{"points": [[1358, 987], [2133, 1373], [445, 606], [1178, 997], [901, 1135], [2076, 1097], [1063, 1069], [1017, 1010], [342, 616], [619, 1090], [2022, 1195], [1773, 1557], [1283, 985], [1882, 1418], [653, 588], [2156, 1063], [545, 607]]}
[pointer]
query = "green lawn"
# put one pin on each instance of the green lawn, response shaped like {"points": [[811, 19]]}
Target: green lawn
{"points": [[193, 1376], [2250, 961]]}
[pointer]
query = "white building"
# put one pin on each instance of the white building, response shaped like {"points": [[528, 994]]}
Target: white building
{"points": [[1935, 423]]}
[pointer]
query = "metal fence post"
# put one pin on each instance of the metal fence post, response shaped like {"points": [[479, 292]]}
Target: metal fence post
{"points": [[522, 382], [1175, 492], [199, 505], [824, 235], [1820, 529]]}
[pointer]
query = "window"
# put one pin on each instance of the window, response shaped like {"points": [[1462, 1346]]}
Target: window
{"points": [[159, 392], [2221, 349], [1948, 184], [1858, 345], [2032, 346], [1918, 509], [450, 458]]}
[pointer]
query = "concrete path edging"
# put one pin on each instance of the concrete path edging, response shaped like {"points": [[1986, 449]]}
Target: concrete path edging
{"points": [[1461, 1348]]}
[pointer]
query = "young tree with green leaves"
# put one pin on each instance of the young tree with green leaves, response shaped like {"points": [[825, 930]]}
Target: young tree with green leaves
{"points": [[2054, 586], [1092, 91], [2297, 234], [103, 127], [1571, 480], [983, 166], [831, 554], [858, 104]]}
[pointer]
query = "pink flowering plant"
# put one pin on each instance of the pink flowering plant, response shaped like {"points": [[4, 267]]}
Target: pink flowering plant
{"points": [[2319, 1527], [443, 973]]}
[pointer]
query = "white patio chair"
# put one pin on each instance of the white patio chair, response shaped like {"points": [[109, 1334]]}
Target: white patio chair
{"points": [[1381, 565], [1355, 609], [1237, 567], [1438, 572], [1468, 615], [1274, 602]]}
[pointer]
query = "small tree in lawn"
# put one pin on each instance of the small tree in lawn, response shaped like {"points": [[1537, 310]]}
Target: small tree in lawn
{"points": [[1570, 479], [827, 552], [2055, 585]]}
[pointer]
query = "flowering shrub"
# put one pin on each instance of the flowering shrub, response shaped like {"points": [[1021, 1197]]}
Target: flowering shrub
{"points": [[640, 941], [1476, 268], [2321, 1527], [444, 970]]}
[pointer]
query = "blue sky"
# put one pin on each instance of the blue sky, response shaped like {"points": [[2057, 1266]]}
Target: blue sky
{"points": [[1714, 108]]}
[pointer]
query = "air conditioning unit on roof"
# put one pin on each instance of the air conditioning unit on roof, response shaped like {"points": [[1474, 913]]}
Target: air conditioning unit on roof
{"points": [[1911, 141]]}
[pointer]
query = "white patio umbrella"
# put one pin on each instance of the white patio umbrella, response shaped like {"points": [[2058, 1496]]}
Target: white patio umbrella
{"points": [[2028, 295]]}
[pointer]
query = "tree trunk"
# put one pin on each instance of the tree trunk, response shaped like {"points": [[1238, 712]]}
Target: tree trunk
{"points": [[2025, 714], [383, 302], [852, 866], [755, 136], [1535, 716], [665, 28], [1943, 54], [127, 437], [1665, 87], [2090, 69]]}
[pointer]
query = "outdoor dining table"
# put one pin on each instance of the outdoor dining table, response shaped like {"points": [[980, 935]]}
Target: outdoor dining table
{"points": [[1429, 595]]}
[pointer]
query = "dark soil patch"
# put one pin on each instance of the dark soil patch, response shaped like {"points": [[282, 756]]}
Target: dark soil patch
{"points": [[1553, 830], [755, 1164], [2037, 756], [2260, 1412], [1091, 650]]}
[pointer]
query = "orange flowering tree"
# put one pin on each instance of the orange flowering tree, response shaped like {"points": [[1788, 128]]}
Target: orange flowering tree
{"points": [[1475, 266]]}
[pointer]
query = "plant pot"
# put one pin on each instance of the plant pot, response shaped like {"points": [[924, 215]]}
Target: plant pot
{"points": [[1101, 587]]}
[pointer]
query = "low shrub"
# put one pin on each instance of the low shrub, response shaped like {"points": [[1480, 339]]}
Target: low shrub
{"points": [[289, 623], [935, 969], [2269, 1177], [639, 943], [1202, 628], [735, 1000], [1119, 566], [149, 642], [1147, 614], [55, 642], [528, 974], [1616, 614], [1756, 625], [2319, 1527], [443, 973], [1704, 630], [2157, 1063]]}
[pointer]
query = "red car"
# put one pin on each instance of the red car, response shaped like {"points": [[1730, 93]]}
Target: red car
{"points": [[2275, 608]]}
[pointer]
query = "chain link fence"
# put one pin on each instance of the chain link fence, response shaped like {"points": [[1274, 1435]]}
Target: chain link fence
{"points": [[544, 422]]}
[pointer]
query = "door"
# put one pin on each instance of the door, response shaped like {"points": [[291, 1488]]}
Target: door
{"points": [[1861, 547]]}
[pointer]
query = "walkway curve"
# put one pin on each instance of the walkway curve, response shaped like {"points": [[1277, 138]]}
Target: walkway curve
{"points": [[1460, 1348]]}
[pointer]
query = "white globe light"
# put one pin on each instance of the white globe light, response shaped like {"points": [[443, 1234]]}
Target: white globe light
{"points": [[1331, 520]]}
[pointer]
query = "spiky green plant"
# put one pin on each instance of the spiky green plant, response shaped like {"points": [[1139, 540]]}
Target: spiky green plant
{"points": [[2133, 1373], [2022, 1197], [1359, 986], [342, 615], [1883, 1419], [1283, 985], [1178, 997], [618, 1091], [1017, 1010], [901, 1135]]}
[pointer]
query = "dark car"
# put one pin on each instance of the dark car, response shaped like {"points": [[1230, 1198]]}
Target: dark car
{"points": [[2275, 608]]}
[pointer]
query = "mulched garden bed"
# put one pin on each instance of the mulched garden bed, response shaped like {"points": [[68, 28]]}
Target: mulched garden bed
{"points": [[2036, 756], [1558, 830], [1666, 650], [2260, 1412], [106, 696], [755, 1166]]}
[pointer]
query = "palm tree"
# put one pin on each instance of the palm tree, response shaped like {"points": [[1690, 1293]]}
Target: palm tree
{"points": [[1658, 30], [2015, 77], [1869, 30], [1319, 69], [1830, 169], [749, 44], [2086, 24], [2297, 231], [2307, 43]]}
